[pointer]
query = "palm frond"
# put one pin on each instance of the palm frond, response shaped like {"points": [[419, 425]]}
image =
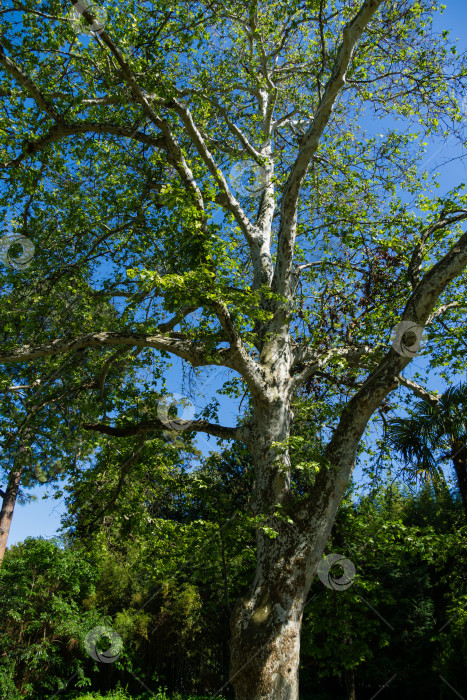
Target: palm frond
{"points": [[420, 437]]}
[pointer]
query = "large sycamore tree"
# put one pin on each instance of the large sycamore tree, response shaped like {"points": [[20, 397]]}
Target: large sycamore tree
{"points": [[204, 181]]}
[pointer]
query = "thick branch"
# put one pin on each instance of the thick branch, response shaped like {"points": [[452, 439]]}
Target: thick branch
{"points": [[202, 426], [170, 325], [419, 390], [129, 77], [426, 294], [29, 85], [61, 131], [342, 448], [417, 310], [415, 264], [195, 353], [228, 199], [255, 235], [351, 355], [245, 364], [288, 224], [442, 309]]}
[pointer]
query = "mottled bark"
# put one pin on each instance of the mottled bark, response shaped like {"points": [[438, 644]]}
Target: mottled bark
{"points": [[265, 645], [266, 622]]}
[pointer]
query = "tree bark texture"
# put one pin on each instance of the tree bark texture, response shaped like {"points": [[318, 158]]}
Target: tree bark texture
{"points": [[8, 507]]}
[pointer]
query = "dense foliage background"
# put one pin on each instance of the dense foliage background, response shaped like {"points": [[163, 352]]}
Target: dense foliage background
{"points": [[165, 562]]}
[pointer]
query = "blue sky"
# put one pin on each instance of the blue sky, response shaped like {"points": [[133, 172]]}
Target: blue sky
{"points": [[42, 517]]}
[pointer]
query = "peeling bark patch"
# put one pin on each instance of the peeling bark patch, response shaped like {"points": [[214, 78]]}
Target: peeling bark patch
{"points": [[268, 672]]}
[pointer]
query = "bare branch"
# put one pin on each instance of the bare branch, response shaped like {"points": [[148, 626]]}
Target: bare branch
{"points": [[415, 264], [29, 85], [316, 361], [288, 224], [202, 426], [419, 390], [442, 309]]}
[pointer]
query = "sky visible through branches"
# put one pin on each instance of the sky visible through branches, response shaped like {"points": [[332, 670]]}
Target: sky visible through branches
{"points": [[42, 517]]}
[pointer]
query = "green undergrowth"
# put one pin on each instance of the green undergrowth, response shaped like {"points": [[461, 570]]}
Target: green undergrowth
{"points": [[123, 695]]}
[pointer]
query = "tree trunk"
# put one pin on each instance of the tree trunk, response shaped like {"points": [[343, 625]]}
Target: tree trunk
{"points": [[266, 622], [349, 677], [459, 461], [265, 645], [8, 506]]}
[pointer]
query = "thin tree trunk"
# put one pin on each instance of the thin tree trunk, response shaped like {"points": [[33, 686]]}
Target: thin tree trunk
{"points": [[8, 507], [224, 574], [11, 491], [459, 461], [349, 677]]}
